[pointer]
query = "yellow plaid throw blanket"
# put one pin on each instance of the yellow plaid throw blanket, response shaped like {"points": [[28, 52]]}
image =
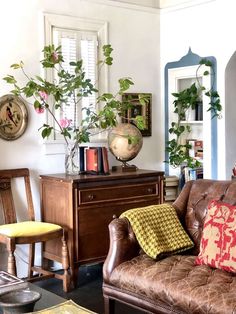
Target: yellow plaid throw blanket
{"points": [[158, 229]]}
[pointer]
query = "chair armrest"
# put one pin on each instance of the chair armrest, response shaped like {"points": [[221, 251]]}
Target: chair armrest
{"points": [[123, 246]]}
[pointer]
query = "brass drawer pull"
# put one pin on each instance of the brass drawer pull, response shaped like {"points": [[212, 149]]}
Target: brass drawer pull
{"points": [[91, 197], [150, 190]]}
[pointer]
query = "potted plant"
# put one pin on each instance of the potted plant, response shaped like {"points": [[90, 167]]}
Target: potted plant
{"points": [[50, 96]]}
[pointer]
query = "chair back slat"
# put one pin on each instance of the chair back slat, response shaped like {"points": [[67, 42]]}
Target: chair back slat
{"points": [[6, 197], [29, 198], [7, 202]]}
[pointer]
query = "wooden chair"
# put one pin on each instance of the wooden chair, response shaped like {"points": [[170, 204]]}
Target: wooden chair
{"points": [[28, 232]]}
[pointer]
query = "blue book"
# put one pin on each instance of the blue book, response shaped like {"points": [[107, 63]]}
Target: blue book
{"points": [[81, 158]]}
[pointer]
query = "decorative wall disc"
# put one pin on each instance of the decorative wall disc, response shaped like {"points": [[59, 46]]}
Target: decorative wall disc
{"points": [[13, 117]]}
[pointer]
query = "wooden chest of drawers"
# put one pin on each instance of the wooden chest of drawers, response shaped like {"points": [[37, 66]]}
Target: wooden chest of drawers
{"points": [[86, 204]]}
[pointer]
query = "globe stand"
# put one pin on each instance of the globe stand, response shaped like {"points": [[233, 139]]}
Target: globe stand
{"points": [[125, 167]]}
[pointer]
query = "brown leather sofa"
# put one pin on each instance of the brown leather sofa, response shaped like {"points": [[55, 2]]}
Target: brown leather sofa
{"points": [[173, 284]]}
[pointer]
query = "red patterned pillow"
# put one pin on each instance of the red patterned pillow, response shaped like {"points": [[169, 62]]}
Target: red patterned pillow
{"points": [[218, 243]]}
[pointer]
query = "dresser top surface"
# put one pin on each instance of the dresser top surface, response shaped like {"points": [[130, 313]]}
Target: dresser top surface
{"points": [[114, 175]]}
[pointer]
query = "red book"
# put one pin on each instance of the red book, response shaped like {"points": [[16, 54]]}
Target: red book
{"points": [[92, 159]]}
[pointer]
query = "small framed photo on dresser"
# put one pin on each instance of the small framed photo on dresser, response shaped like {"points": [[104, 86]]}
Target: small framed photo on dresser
{"points": [[139, 109]]}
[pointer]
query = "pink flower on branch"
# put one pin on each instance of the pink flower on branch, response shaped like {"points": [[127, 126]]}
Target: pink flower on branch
{"points": [[39, 110], [64, 123], [55, 56], [43, 95]]}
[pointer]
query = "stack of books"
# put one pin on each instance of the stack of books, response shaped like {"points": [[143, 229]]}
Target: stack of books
{"points": [[94, 160], [193, 174], [171, 184], [196, 150]]}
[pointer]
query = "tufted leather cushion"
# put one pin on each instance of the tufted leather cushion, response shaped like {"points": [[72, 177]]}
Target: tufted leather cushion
{"points": [[217, 248], [176, 281]]}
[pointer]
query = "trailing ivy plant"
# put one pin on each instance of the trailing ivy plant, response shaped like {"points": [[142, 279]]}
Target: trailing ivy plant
{"points": [[184, 100]]}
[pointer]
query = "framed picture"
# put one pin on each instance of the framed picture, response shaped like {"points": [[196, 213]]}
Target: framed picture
{"points": [[13, 117], [139, 109]]}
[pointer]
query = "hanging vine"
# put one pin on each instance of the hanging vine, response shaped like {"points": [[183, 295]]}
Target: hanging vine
{"points": [[184, 100]]}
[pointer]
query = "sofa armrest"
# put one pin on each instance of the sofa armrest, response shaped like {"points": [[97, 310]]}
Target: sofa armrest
{"points": [[180, 204], [123, 246]]}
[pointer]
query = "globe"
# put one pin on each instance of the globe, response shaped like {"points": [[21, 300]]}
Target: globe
{"points": [[125, 141]]}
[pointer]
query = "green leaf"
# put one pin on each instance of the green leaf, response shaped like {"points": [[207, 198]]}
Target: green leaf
{"points": [[214, 94], [125, 84], [16, 66], [109, 60], [107, 50], [37, 104], [205, 62], [143, 99], [10, 79], [175, 94], [46, 132], [107, 96], [139, 122], [15, 92], [39, 78]]}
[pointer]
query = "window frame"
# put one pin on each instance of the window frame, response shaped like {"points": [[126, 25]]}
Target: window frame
{"points": [[80, 24]]}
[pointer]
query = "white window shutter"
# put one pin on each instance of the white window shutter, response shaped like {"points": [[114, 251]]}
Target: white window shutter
{"points": [[77, 45], [88, 55]]}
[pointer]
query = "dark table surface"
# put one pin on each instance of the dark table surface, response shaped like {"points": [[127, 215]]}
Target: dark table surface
{"points": [[47, 299]]}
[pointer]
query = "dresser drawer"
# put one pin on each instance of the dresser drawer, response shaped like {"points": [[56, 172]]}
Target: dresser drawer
{"points": [[107, 194]]}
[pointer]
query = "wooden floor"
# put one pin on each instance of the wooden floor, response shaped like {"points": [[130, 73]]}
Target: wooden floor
{"points": [[89, 291]]}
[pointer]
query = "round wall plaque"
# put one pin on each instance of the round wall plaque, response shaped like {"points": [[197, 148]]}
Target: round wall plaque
{"points": [[13, 117]]}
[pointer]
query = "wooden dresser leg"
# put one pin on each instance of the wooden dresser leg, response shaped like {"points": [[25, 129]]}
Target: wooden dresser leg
{"points": [[65, 265], [75, 275]]}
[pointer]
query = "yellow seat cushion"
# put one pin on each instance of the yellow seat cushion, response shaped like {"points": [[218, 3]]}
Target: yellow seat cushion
{"points": [[27, 228]]}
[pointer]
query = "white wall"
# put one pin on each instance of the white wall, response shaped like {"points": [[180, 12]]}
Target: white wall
{"points": [[230, 114], [134, 35], [209, 29]]}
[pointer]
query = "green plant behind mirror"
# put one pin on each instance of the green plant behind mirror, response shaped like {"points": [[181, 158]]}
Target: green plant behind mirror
{"points": [[187, 99]]}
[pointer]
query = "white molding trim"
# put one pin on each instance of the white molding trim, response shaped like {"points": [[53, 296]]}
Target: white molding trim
{"points": [[125, 5], [155, 10], [184, 5]]}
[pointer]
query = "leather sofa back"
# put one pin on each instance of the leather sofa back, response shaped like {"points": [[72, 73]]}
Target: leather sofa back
{"points": [[191, 205]]}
